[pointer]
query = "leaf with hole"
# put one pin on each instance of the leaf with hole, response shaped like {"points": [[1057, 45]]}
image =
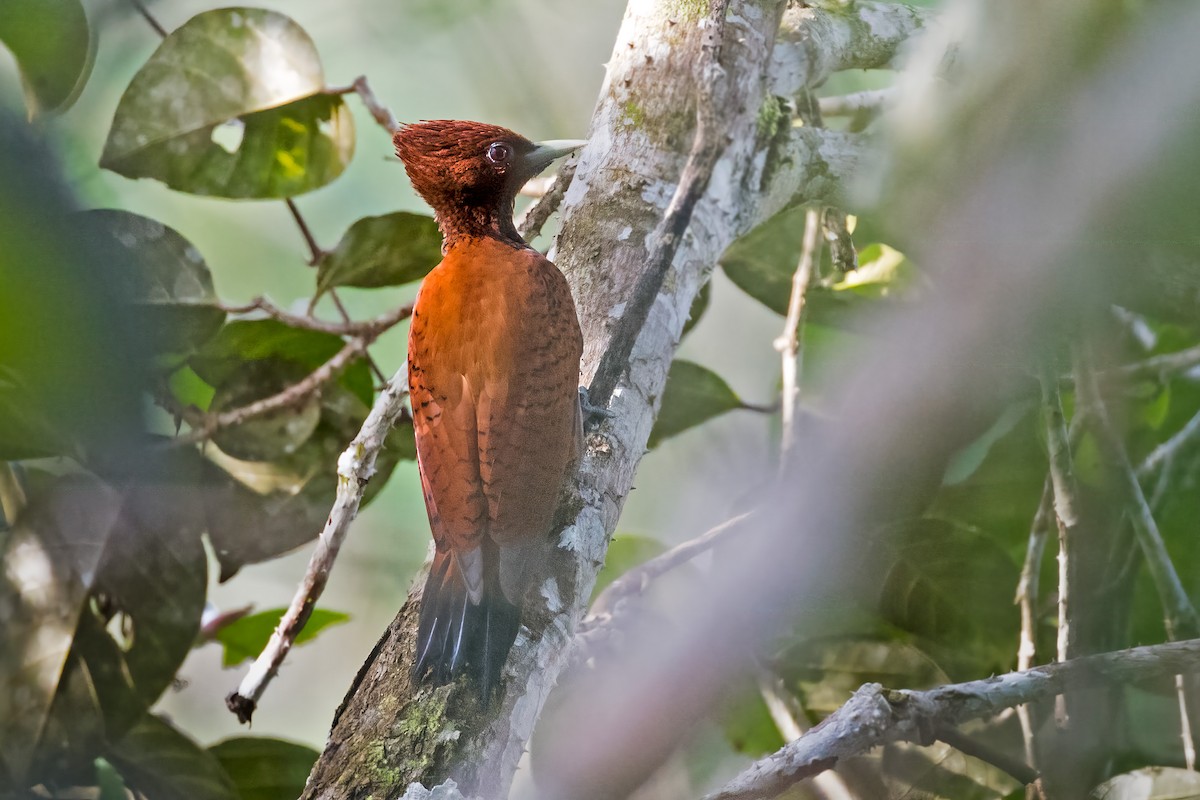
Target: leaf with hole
{"points": [[389, 250], [53, 46], [159, 762], [232, 104], [164, 278], [245, 638], [265, 769], [693, 395]]}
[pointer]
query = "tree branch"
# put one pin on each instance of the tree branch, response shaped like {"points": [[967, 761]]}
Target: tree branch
{"points": [[366, 328], [876, 716], [816, 42], [789, 344], [354, 468]]}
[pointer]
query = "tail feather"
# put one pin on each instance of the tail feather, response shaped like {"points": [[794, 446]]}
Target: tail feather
{"points": [[456, 636]]}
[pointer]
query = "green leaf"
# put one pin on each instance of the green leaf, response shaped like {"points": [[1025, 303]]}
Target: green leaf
{"points": [[693, 395], [254, 69], [951, 586], [270, 436], [245, 638], [165, 278], [624, 553], [390, 250], [964, 463], [265, 769], [828, 670], [762, 263], [109, 781], [161, 763], [1150, 783], [53, 46], [939, 772]]}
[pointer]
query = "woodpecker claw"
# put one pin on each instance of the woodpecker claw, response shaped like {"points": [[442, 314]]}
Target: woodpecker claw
{"points": [[592, 415]]}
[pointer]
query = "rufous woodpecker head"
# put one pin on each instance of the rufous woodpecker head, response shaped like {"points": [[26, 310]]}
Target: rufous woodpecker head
{"points": [[470, 173]]}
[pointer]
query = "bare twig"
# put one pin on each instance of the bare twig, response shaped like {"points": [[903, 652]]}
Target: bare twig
{"points": [[354, 468], [366, 327], [1019, 771], [1028, 593], [382, 114], [1162, 459], [150, 20], [1062, 478], [315, 253], [791, 342], [1155, 368], [534, 217], [875, 716]]}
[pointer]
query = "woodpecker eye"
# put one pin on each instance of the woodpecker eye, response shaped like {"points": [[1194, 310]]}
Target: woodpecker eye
{"points": [[499, 153]]}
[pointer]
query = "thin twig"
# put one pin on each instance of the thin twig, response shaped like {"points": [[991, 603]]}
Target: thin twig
{"points": [[1028, 594], [1019, 771], [1162, 460], [315, 253], [1066, 509], [367, 327], [354, 468], [1154, 368], [291, 396], [876, 716], [712, 90], [150, 20], [533, 219], [382, 114], [790, 343]]}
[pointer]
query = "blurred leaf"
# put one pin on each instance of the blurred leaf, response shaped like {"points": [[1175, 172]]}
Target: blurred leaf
{"points": [[50, 561], [109, 781], [245, 638], [242, 342], [626, 551], [964, 463], [1150, 783], [951, 586], [276, 434], [189, 389], [165, 278], [825, 672], [693, 395], [13, 497], [255, 69], [163, 764], [265, 769], [940, 771], [699, 306], [390, 250], [53, 46], [748, 724]]}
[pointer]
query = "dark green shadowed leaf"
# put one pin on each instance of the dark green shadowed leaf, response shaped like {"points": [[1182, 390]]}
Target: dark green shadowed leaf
{"points": [[232, 104], [53, 46], [163, 764], [762, 263], [245, 638], [693, 395], [165, 278], [699, 306], [268, 436], [390, 250], [265, 769]]}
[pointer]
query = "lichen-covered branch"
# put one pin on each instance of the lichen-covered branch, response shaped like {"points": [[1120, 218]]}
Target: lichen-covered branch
{"points": [[876, 716], [817, 41]]}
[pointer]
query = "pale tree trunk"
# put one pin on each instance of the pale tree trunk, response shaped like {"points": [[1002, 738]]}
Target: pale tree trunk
{"points": [[387, 736]]}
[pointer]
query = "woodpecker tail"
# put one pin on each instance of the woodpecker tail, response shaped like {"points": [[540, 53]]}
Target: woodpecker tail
{"points": [[459, 635]]}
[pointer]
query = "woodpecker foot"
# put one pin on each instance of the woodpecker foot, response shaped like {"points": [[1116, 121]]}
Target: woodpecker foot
{"points": [[592, 415]]}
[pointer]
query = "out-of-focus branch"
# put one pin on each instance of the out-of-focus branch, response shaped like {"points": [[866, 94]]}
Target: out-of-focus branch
{"points": [[790, 344], [1181, 618], [1028, 595], [354, 468], [815, 42], [869, 102], [1155, 367], [1066, 509], [876, 716]]}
